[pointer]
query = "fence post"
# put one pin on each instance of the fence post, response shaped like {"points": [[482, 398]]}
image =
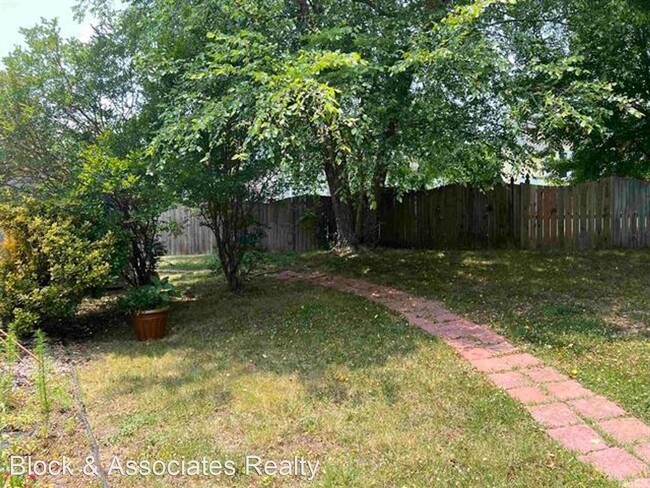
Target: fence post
{"points": [[511, 233], [524, 211]]}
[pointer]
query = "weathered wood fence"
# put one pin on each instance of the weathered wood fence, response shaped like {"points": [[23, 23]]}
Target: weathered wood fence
{"points": [[297, 224], [613, 212], [452, 217]]}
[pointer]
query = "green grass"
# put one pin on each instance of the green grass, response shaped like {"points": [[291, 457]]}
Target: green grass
{"points": [[587, 313], [171, 264], [290, 369]]}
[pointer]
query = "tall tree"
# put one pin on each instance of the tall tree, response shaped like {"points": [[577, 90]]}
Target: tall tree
{"points": [[204, 60], [349, 113], [580, 84], [208, 143], [70, 111], [377, 111], [358, 96]]}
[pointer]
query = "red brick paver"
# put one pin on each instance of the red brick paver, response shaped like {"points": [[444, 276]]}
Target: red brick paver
{"points": [[454, 330], [529, 395], [475, 353], [554, 415], [505, 363], [626, 430], [461, 343], [597, 408], [615, 463], [545, 375], [501, 348], [488, 337], [508, 380], [579, 438], [557, 402], [568, 390]]}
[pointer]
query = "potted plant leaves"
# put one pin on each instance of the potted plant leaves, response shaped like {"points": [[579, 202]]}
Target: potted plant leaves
{"points": [[149, 306]]}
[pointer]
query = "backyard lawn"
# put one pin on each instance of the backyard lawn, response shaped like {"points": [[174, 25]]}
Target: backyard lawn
{"points": [[587, 314], [288, 369], [245, 127]]}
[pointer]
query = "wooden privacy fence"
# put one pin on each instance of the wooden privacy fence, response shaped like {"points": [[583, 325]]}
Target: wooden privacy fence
{"points": [[613, 212], [298, 224], [453, 217]]}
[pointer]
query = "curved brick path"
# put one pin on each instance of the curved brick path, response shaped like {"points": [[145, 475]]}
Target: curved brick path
{"points": [[600, 431]]}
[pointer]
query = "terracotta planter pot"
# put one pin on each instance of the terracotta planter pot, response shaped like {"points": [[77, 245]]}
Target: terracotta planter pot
{"points": [[150, 324]]}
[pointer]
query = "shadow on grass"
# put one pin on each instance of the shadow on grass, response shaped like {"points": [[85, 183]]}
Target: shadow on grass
{"points": [[560, 304], [587, 313], [272, 327], [543, 295]]}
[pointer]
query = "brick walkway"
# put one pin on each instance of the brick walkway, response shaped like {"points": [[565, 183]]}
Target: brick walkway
{"points": [[597, 429]]}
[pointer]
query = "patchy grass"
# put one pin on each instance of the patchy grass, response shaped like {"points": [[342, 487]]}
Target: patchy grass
{"points": [[587, 313], [172, 264], [24, 426], [288, 369]]}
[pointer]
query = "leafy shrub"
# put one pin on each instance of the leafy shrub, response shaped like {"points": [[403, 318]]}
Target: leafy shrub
{"points": [[48, 264], [149, 297], [251, 254]]}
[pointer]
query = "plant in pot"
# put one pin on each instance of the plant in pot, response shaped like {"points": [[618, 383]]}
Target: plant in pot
{"points": [[149, 306]]}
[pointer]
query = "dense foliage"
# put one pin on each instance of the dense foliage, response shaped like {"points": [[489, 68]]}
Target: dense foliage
{"points": [[154, 296], [581, 84], [219, 104], [48, 264], [73, 132], [207, 144]]}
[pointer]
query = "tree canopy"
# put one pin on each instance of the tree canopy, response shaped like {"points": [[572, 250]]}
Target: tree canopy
{"points": [[221, 103], [578, 84]]}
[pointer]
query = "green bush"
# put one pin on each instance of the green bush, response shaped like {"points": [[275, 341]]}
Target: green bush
{"points": [[149, 297], [48, 264]]}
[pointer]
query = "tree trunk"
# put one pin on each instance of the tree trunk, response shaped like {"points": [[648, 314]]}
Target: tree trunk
{"points": [[143, 252], [359, 218], [228, 223], [342, 207], [371, 230], [230, 259]]}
